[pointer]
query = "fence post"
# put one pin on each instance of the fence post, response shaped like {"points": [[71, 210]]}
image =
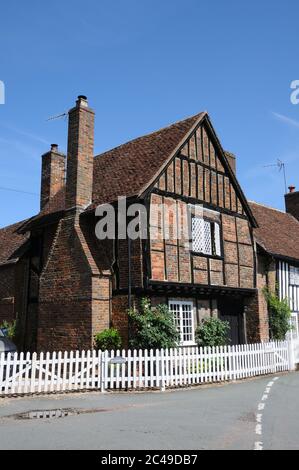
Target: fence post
{"points": [[275, 364], [103, 371], [292, 365], [162, 383]]}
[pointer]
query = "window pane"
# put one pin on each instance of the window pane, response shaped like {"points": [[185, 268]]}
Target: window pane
{"points": [[294, 276], [217, 239], [187, 313], [201, 236], [198, 235], [175, 310], [207, 238]]}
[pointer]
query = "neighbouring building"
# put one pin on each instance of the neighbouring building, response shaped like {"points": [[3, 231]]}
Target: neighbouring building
{"points": [[64, 285], [277, 238]]}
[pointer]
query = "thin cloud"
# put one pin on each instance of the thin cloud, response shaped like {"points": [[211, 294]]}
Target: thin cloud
{"points": [[20, 147], [26, 134], [286, 120]]}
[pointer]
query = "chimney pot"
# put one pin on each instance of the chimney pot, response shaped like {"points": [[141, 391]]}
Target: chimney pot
{"points": [[82, 101], [292, 189], [54, 147]]}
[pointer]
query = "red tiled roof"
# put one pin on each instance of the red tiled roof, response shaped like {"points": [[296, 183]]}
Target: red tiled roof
{"points": [[127, 169], [277, 232], [11, 242], [55, 204]]}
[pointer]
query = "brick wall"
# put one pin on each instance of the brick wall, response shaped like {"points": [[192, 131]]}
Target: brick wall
{"points": [[53, 174], [48, 236], [79, 179], [120, 317], [21, 293], [136, 263], [292, 203], [256, 306], [13, 295], [172, 261], [7, 293], [74, 297], [7, 309], [13, 290]]}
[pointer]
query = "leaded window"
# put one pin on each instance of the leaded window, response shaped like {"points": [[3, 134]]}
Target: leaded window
{"points": [[206, 237], [294, 276]]}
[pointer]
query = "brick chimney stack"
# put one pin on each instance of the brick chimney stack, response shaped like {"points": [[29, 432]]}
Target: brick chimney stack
{"points": [[292, 202], [53, 174], [79, 178], [231, 158]]}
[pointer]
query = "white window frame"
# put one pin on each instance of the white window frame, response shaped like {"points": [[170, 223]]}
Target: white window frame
{"points": [[215, 237], [217, 240], [295, 324], [294, 276], [181, 330]]}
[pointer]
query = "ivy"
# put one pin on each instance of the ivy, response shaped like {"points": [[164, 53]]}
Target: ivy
{"points": [[279, 315]]}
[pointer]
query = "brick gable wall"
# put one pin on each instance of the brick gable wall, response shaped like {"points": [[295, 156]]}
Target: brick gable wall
{"points": [[74, 297], [198, 175]]}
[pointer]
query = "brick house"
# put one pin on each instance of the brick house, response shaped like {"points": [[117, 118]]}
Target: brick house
{"points": [[63, 284], [277, 238]]}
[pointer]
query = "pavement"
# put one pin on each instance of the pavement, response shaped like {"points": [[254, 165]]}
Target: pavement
{"points": [[260, 413]]}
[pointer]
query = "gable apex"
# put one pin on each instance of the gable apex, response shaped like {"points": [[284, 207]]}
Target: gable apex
{"points": [[189, 147]]}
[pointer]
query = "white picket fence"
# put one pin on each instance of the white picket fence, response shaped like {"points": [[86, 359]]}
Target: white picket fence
{"points": [[74, 371], [295, 349]]}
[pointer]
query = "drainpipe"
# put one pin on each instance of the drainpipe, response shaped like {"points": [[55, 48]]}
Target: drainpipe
{"points": [[245, 326], [129, 283], [129, 275]]}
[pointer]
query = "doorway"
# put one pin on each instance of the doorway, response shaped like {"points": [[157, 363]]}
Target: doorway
{"points": [[231, 310]]}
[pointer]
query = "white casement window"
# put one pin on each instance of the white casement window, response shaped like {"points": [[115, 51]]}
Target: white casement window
{"points": [[217, 241], [183, 315], [294, 276], [295, 324], [206, 237]]}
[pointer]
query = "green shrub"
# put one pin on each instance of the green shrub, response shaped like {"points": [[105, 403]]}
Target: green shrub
{"points": [[279, 315], [108, 340], [212, 332], [152, 327], [206, 366], [10, 328], [200, 367]]}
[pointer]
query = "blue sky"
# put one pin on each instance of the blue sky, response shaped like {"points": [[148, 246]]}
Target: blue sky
{"points": [[144, 64]]}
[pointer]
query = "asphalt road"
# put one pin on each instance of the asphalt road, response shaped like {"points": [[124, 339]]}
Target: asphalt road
{"points": [[261, 413]]}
